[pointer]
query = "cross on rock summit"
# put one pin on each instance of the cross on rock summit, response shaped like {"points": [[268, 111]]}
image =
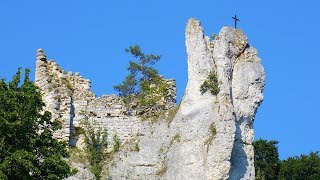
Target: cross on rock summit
{"points": [[235, 20]]}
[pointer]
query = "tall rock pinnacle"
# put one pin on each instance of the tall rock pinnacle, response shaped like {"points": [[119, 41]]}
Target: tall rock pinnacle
{"points": [[241, 77]]}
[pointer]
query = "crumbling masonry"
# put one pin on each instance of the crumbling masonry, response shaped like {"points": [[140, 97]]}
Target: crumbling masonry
{"points": [[69, 98]]}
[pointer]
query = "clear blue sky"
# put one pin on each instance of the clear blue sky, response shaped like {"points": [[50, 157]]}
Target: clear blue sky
{"points": [[90, 37]]}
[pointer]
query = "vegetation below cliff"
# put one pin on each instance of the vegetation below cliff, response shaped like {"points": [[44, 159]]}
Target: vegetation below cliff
{"points": [[27, 147], [269, 166], [29, 151]]}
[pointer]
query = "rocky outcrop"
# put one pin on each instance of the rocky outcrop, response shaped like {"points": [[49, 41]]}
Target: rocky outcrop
{"points": [[241, 80], [206, 137], [211, 135]]}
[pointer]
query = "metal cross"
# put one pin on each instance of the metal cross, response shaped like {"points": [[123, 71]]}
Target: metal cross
{"points": [[235, 21]]}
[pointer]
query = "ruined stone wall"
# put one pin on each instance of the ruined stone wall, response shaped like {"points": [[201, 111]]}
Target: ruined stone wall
{"points": [[108, 111], [69, 98]]}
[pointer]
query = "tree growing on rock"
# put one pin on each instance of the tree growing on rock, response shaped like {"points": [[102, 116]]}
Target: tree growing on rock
{"points": [[143, 83], [27, 147], [96, 144]]}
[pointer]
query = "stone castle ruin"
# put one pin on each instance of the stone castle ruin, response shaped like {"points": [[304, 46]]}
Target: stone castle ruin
{"points": [[209, 137], [69, 98]]}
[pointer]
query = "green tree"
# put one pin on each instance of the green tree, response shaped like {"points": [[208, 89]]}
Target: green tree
{"points": [[303, 167], [27, 147], [211, 84], [143, 82], [96, 143], [266, 159]]}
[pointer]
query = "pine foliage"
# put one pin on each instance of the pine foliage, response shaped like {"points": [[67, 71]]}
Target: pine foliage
{"points": [[143, 84]]}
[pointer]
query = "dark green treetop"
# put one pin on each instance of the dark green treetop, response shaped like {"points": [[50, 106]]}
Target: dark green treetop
{"points": [[269, 167], [143, 81], [303, 167], [27, 147], [266, 159]]}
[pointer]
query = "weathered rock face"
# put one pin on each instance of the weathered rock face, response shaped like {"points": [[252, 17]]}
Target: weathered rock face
{"points": [[210, 136], [188, 149], [241, 80]]}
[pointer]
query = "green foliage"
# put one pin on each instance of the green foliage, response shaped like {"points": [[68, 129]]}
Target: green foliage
{"points": [[27, 147], [269, 167], [211, 84], [213, 36], [260, 175], [77, 155], [143, 83], [266, 159], [152, 91], [116, 143], [136, 147], [128, 87], [96, 143], [303, 167], [212, 135]]}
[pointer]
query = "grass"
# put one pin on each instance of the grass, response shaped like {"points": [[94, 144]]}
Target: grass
{"points": [[212, 135], [77, 155]]}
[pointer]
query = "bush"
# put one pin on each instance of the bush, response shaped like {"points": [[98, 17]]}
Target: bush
{"points": [[211, 84], [116, 143], [96, 145], [212, 134]]}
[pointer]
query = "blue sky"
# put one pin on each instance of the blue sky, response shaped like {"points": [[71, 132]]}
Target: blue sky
{"points": [[90, 38]]}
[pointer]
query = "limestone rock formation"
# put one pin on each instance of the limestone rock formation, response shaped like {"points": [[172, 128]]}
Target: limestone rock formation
{"points": [[188, 148], [241, 80], [206, 137]]}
